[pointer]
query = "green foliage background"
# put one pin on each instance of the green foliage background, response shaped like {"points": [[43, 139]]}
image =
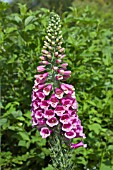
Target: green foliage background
{"points": [[88, 40]]}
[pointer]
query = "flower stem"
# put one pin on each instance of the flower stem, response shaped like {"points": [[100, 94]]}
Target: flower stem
{"points": [[60, 155]]}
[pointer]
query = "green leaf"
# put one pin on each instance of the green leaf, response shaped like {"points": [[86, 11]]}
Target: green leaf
{"points": [[95, 127], [106, 167], [24, 135], [17, 114], [3, 121], [48, 168], [23, 9], [29, 20], [17, 19], [29, 27], [110, 147], [22, 143]]}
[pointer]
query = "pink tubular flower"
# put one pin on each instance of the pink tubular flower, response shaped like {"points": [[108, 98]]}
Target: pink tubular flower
{"points": [[40, 95], [59, 110], [55, 68], [41, 68], [64, 88], [66, 103], [67, 127], [34, 96], [75, 105], [41, 78], [45, 132], [42, 57], [70, 135], [49, 114], [61, 71], [58, 61], [35, 104], [67, 73], [59, 93], [68, 89], [53, 101], [41, 122], [39, 114], [65, 118], [78, 145], [44, 104], [64, 65], [47, 89], [59, 77], [52, 122], [44, 62]]}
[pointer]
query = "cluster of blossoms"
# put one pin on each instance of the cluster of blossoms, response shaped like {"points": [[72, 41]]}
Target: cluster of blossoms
{"points": [[53, 101]]}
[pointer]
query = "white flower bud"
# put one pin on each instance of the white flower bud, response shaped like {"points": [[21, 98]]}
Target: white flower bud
{"points": [[53, 43], [49, 34], [57, 40]]}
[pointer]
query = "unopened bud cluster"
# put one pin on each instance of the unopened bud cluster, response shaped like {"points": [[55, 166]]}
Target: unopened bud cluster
{"points": [[53, 101]]}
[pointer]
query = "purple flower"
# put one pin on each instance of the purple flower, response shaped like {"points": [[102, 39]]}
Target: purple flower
{"points": [[65, 118], [78, 145], [70, 135], [54, 105], [40, 95], [41, 68], [59, 110], [53, 101], [67, 127], [52, 122], [59, 93], [49, 114], [47, 89], [45, 132], [44, 105]]}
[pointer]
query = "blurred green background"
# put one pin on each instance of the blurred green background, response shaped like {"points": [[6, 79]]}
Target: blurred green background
{"points": [[87, 28]]}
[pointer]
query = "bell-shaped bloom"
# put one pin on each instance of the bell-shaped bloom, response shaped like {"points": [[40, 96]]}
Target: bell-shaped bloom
{"points": [[59, 77], [38, 87], [67, 73], [75, 105], [65, 118], [64, 65], [44, 62], [66, 102], [42, 57], [40, 95], [47, 89], [66, 88], [53, 101], [44, 105], [70, 135], [40, 78], [34, 97], [59, 93], [41, 122], [48, 114], [35, 104], [52, 122], [41, 68], [39, 114], [45, 132], [67, 127], [59, 110], [77, 145], [61, 71]]}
